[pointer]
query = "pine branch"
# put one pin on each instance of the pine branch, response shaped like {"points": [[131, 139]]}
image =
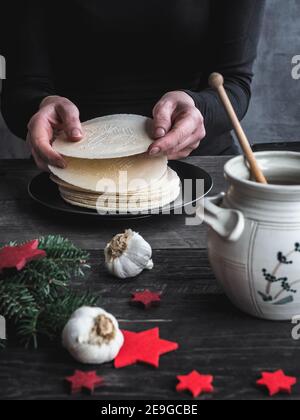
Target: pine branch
{"points": [[62, 250], [46, 277], [61, 312], [50, 320], [27, 330], [16, 301], [39, 299]]}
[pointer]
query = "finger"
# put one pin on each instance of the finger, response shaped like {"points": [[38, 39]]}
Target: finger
{"points": [[41, 133], [181, 152], [162, 114], [180, 155], [49, 155], [191, 142], [39, 162], [180, 132], [69, 115]]}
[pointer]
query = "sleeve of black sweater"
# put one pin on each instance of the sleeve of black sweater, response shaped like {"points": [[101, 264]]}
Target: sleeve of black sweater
{"points": [[234, 34], [28, 79]]}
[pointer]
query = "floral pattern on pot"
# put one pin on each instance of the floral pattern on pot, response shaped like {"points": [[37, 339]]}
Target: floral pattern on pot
{"points": [[285, 290]]}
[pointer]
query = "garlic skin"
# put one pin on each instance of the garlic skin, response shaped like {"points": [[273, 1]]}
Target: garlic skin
{"points": [[127, 255], [92, 336]]}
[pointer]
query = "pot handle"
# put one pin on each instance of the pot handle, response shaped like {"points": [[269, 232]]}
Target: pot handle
{"points": [[229, 224]]}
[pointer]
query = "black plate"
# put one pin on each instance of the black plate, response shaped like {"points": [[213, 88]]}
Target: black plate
{"points": [[45, 192]]}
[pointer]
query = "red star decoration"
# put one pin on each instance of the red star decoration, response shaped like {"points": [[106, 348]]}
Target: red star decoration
{"points": [[196, 383], [18, 256], [146, 298], [84, 380], [146, 347], [277, 382]]}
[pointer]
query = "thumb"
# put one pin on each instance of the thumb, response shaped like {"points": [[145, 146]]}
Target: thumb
{"points": [[69, 115], [162, 115]]}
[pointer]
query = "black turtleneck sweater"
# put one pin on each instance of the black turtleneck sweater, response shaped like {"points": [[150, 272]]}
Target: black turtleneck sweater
{"points": [[117, 56]]}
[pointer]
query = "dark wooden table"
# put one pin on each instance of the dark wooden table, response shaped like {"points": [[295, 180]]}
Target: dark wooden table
{"points": [[214, 337]]}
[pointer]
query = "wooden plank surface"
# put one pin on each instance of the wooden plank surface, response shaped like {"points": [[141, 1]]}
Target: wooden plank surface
{"points": [[213, 336]]}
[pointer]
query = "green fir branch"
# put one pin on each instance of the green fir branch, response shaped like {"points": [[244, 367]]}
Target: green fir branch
{"points": [[61, 311], [39, 299], [16, 301]]}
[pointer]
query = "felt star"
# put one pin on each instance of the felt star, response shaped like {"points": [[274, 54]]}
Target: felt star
{"points": [[195, 383], [277, 382], [145, 346], [18, 256], [84, 380], [146, 298]]}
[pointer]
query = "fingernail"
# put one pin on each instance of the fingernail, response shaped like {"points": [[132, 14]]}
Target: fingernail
{"points": [[76, 132], [155, 151], [160, 132], [61, 164]]}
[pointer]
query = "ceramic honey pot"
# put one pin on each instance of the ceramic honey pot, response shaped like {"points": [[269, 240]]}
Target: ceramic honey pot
{"points": [[254, 236]]}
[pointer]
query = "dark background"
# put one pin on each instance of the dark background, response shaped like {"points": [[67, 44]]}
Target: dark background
{"points": [[274, 114]]}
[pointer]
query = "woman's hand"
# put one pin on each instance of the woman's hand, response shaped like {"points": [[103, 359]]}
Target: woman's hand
{"points": [[178, 126], [56, 113]]}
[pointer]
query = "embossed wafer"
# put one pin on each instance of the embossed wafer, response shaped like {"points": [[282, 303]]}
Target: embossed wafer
{"points": [[109, 137]]}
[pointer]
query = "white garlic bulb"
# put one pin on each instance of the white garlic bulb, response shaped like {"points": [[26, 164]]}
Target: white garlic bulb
{"points": [[92, 336], [128, 254]]}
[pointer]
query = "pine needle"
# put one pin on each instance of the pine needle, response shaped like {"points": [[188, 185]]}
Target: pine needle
{"points": [[39, 300]]}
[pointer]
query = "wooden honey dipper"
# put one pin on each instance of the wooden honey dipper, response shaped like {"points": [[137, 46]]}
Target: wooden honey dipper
{"points": [[216, 81]]}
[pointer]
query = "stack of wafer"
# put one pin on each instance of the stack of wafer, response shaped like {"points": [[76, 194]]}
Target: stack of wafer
{"points": [[109, 170]]}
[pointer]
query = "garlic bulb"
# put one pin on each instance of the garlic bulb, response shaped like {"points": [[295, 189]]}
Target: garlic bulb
{"points": [[92, 336], [128, 254]]}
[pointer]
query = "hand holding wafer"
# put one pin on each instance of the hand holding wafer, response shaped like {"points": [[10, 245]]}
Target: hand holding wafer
{"points": [[178, 126], [55, 113]]}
